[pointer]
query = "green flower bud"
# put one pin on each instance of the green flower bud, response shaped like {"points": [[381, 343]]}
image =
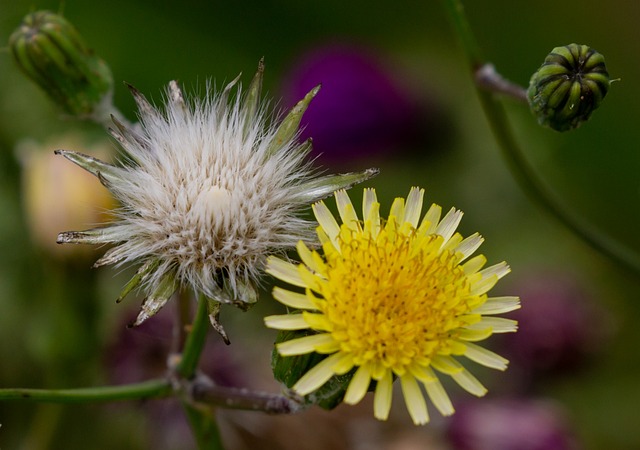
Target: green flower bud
{"points": [[51, 52], [568, 87]]}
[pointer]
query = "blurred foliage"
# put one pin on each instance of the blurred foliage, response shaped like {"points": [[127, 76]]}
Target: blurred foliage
{"points": [[57, 318]]}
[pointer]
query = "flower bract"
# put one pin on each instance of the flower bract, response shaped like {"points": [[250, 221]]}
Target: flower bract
{"points": [[395, 298]]}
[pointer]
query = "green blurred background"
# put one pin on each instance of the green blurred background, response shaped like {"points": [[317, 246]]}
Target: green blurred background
{"points": [[57, 317]]}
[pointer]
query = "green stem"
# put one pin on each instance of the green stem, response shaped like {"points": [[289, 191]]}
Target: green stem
{"points": [[146, 389], [203, 424], [463, 29], [201, 418], [521, 170], [195, 341]]}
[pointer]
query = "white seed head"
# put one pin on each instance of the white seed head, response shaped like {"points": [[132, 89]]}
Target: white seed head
{"points": [[209, 190]]}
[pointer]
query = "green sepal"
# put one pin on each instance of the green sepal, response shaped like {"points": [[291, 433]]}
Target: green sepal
{"points": [[322, 187], [244, 296], [290, 124], [94, 236], [106, 173], [252, 98], [158, 298], [213, 309], [138, 278], [289, 369]]}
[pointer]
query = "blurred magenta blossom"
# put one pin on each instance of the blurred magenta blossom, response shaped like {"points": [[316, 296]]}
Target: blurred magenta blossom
{"points": [[510, 424], [560, 325], [362, 110], [141, 353]]}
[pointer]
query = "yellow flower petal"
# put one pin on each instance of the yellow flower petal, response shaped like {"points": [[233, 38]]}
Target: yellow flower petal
{"points": [[483, 286], [485, 357], [346, 210], [310, 258], [317, 376], [439, 396], [431, 220], [449, 224], [499, 270], [496, 325], [304, 345], [358, 386], [498, 305], [446, 364], [286, 322], [469, 245], [413, 208], [469, 383], [414, 399], [474, 264], [327, 222], [382, 397], [292, 299], [397, 210], [284, 271], [480, 333]]}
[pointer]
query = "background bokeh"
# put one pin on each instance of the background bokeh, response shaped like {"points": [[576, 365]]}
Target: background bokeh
{"points": [[59, 326]]}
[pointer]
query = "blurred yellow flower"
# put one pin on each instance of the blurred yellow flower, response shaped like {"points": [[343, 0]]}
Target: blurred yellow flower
{"points": [[392, 299], [56, 196]]}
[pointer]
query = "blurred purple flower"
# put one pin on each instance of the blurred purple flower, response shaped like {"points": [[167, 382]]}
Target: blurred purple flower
{"points": [[560, 326], [510, 424], [362, 110], [141, 353]]}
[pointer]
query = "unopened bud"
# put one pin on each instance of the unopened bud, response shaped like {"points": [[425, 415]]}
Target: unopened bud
{"points": [[51, 52], [568, 87]]}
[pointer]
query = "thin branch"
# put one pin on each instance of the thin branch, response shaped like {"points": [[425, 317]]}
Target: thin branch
{"points": [[147, 389], [202, 390], [489, 79]]}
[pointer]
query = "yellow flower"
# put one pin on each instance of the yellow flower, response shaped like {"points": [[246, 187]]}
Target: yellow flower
{"points": [[392, 299]]}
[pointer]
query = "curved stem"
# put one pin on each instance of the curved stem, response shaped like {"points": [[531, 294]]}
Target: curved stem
{"points": [[521, 170], [463, 29], [146, 389]]}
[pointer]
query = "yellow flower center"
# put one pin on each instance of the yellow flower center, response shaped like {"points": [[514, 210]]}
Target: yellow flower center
{"points": [[395, 299]]}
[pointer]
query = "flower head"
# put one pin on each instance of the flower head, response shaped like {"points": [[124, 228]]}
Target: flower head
{"points": [[392, 299], [207, 190]]}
